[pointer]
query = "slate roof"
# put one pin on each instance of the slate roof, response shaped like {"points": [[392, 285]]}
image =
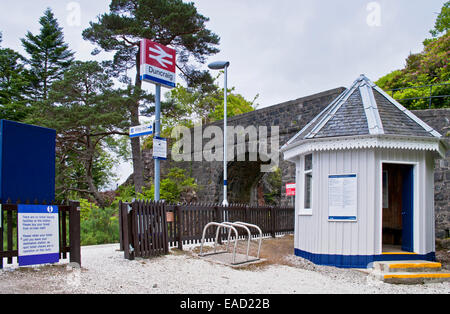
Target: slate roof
{"points": [[361, 110]]}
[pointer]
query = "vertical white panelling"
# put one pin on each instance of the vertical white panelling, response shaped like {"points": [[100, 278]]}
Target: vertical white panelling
{"points": [[371, 231], [323, 214], [297, 202], [431, 243], [315, 234]]}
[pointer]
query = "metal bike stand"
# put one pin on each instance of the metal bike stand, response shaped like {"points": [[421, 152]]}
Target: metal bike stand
{"points": [[219, 225], [249, 236], [260, 234]]}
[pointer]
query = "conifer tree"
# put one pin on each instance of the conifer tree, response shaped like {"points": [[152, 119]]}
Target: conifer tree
{"points": [[12, 85], [49, 56]]}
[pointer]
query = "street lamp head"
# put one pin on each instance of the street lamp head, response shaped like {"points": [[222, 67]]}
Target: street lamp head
{"points": [[219, 65]]}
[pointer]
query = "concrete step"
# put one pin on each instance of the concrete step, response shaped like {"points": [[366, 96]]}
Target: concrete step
{"points": [[407, 266], [414, 278]]}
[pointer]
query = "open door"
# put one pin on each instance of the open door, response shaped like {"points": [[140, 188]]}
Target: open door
{"points": [[398, 207], [407, 208]]}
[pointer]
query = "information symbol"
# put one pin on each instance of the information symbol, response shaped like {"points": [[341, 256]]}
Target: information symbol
{"points": [[50, 209]]}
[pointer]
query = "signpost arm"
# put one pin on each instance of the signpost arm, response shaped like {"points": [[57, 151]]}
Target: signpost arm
{"points": [[157, 134]]}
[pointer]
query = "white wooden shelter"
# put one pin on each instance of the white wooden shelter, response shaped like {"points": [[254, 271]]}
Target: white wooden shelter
{"points": [[365, 181]]}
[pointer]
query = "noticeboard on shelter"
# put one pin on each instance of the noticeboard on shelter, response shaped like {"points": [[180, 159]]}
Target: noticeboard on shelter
{"points": [[343, 197]]}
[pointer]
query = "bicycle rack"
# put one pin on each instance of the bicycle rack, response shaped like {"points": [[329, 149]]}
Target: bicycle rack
{"points": [[260, 234], [231, 226], [219, 225]]}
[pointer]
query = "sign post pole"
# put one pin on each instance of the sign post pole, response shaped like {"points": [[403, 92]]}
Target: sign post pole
{"points": [[158, 66], [157, 134]]}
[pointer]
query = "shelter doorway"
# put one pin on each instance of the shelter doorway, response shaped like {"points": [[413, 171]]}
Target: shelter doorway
{"points": [[397, 208]]}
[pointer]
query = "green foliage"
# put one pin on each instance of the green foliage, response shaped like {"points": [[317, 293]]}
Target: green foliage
{"points": [[442, 24], [176, 187], [430, 67], [274, 181], [99, 226], [169, 22], [87, 113], [49, 55]]}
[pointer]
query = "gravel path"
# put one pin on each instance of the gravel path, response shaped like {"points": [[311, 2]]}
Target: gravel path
{"points": [[106, 271]]}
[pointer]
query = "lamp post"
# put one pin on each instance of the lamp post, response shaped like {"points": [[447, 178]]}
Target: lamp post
{"points": [[219, 65]]}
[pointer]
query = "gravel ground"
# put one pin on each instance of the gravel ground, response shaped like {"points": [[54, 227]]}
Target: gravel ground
{"points": [[105, 270]]}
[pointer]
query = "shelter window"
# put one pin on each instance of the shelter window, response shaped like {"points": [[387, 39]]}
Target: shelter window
{"points": [[308, 177]]}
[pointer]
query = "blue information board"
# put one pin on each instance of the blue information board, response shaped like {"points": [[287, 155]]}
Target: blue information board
{"points": [[27, 163], [38, 234]]}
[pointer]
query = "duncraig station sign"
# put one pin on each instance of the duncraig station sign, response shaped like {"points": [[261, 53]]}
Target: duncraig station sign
{"points": [[158, 64]]}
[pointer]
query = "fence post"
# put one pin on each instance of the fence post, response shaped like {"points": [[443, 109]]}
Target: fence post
{"points": [[272, 221], [126, 230], [74, 232], [247, 214], [218, 213], [178, 210], [120, 227]]}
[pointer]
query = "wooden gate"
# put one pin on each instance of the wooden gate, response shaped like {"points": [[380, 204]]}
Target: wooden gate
{"points": [[143, 229]]}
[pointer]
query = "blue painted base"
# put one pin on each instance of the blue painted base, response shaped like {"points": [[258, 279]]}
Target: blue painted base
{"points": [[359, 261]]}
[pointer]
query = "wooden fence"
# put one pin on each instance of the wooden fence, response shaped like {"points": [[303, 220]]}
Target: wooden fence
{"points": [[69, 232], [149, 228]]}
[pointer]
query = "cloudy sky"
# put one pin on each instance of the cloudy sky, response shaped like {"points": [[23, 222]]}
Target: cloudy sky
{"points": [[281, 50]]}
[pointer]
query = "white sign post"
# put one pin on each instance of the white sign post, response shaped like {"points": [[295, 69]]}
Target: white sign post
{"points": [[38, 234], [158, 66]]}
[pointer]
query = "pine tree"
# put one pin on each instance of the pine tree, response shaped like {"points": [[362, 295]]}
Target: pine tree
{"points": [[12, 85], [168, 22], [49, 55], [89, 112]]}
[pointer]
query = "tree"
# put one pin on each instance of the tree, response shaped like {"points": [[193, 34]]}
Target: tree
{"points": [[49, 56], [430, 67], [86, 110], [168, 22], [442, 24], [13, 85]]}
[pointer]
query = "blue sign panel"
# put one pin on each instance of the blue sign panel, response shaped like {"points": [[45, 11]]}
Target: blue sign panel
{"points": [[38, 234], [27, 163]]}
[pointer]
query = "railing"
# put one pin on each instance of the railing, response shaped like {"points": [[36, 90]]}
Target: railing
{"points": [[69, 232], [150, 229], [429, 98]]}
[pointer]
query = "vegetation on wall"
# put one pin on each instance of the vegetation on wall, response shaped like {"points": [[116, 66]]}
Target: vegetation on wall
{"points": [[429, 67]]}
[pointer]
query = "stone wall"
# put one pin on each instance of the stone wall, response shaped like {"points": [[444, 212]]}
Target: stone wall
{"points": [[439, 119]]}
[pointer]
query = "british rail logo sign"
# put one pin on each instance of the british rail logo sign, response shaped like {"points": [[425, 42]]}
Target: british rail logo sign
{"points": [[158, 64]]}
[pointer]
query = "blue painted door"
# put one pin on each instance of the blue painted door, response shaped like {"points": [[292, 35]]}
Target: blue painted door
{"points": [[407, 209]]}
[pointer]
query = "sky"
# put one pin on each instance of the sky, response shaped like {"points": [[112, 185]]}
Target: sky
{"points": [[280, 50]]}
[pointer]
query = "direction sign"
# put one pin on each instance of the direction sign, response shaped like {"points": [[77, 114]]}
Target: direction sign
{"points": [[158, 63], [141, 130]]}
